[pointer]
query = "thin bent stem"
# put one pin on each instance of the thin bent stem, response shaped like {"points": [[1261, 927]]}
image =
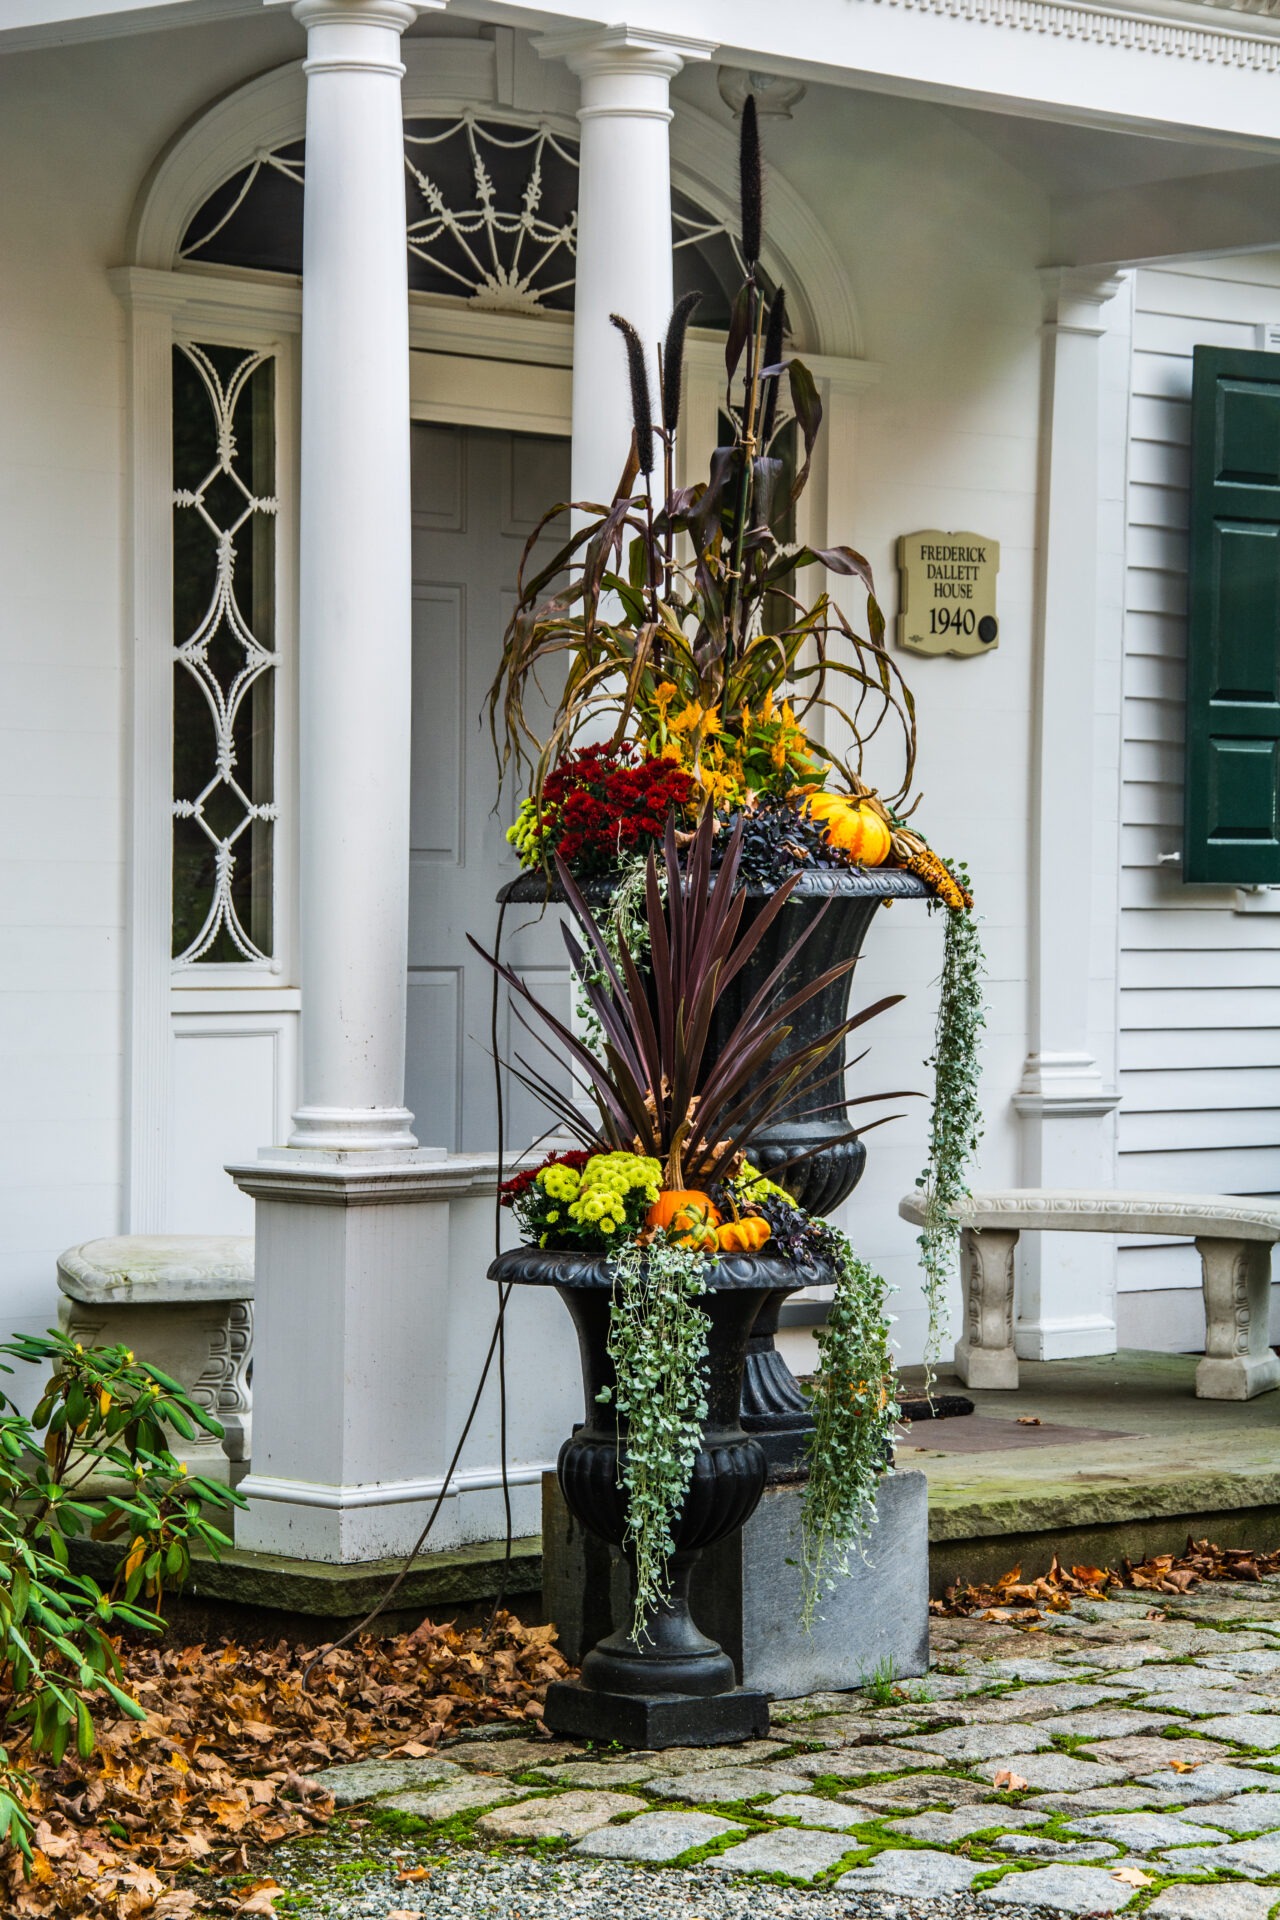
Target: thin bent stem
{"points": [[734, 593]]}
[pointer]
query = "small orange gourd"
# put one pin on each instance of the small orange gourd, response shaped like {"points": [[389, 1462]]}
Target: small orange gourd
{"points": [[747, 1235]]}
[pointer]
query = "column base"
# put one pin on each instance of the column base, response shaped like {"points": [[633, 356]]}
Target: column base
{"points": [[1239, 1378], [656, 1720], [990, 1367], [355, 1129]]}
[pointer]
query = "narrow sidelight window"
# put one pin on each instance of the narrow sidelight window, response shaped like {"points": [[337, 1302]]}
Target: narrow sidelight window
{"points": [[224, 656]]}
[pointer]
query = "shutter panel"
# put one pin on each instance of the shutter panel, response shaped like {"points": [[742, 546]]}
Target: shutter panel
{"points": [[1233, 636]]}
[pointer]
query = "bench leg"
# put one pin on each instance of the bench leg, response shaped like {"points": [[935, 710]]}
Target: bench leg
{"points": [[1238, 1362], [986, 1357]]}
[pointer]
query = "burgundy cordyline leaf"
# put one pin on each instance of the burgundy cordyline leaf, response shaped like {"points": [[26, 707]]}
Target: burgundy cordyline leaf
{"points": [[656, 1083]]}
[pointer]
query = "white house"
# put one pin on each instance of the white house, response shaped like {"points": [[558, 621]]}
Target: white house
{"points": [[272, 434]]}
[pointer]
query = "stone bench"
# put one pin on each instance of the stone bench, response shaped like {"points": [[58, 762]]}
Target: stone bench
{"points": [[1233, 1237], [185, 1303]]}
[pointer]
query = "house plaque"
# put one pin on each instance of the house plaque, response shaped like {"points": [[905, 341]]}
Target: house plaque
{"points": [[948, 592]]}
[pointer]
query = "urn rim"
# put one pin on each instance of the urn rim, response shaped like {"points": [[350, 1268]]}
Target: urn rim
{"points": [[594, 1272], [812, 883]]}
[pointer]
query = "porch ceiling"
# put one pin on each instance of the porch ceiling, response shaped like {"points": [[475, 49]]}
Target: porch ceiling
{"points": [[1120, 197]]}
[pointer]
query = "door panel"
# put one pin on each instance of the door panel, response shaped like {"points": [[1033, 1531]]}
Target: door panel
{"points": [[477, 495]]}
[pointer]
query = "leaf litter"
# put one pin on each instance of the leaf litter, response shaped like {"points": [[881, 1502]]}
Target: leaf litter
{"points": [[1013, 1598], [223, 1765]]}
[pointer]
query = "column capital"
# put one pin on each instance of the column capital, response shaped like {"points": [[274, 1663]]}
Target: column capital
{"points": [[357, 35], [623, 49], [1074, 298]]}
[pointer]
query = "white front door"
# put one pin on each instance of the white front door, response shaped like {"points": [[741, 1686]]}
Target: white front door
{"points": [[477, 495]]}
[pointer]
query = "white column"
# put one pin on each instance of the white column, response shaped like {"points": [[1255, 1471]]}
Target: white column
{"points": [[1066, 1099], [354, 603], [352, 1232], [624, 228]]}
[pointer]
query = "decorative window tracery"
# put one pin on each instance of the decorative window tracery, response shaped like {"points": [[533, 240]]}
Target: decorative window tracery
{"points": [[491, 218], [224, 517]]}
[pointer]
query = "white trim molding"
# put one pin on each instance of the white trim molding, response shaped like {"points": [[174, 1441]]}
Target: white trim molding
{"points": [[354, 1178], [163, 309], [389, 1493], [1066, 1100]]}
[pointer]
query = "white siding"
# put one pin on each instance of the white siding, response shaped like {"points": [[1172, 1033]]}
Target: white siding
{"points": [[1199, 980]]}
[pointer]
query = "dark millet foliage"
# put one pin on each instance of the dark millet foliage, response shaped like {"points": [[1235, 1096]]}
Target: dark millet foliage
{"points": [[751, 182], [673, 359], [641, 408]]}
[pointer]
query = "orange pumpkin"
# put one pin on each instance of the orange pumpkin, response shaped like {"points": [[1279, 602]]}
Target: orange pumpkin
{"points": [[853, 826], [683, 1208]]}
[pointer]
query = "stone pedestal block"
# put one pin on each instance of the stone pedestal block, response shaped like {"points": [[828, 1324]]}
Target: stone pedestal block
{"points": [[986, 1356], [746, 1592], [1238, 1362], [185, 1303]]}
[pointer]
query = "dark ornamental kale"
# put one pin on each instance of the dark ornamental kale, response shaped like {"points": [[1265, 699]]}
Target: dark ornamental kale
{"points": [[796, 1235], [777, 839]]}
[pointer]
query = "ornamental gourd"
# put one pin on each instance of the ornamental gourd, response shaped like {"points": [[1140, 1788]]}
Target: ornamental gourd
{"points": [[686, 1211], [747, 1235], [682, 1208], [856, 827]]}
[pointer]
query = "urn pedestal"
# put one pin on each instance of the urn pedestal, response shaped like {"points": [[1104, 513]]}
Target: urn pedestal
{"points": [[670, 1685]]}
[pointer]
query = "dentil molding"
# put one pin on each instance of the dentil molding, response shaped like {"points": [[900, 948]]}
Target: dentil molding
{"points": [[1136, 33]]}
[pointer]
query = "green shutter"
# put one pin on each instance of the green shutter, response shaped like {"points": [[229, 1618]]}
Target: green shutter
{"points": [[1233, 636]]}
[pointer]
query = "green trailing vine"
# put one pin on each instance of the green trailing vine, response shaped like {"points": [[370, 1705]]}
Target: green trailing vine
{"points": [[855, 1408], [955, 1124], [658, 1346]]}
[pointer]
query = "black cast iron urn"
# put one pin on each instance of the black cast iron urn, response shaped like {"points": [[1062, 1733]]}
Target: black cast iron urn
{"points": [[670, 1685]]}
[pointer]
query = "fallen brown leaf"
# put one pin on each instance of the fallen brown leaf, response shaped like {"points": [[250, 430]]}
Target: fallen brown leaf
{"points": [[1133, 1876], [1200, 1560], [261, 1898], [1009, 1782], [1028, 1420], [224, 1764]]}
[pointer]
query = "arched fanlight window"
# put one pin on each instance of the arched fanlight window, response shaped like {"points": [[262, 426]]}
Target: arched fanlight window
{"points": [[490, 221], [490, 218]]}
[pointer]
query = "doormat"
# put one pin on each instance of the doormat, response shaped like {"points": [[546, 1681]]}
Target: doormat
{"points": [[984, 1433], [943, 1406]]}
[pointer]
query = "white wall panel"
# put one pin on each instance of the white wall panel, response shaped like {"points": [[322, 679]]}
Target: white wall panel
{"points": [[233, 1077]]}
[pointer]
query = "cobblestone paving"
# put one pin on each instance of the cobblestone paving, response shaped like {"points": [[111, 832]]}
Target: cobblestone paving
{"points": [[1121, 1758]]}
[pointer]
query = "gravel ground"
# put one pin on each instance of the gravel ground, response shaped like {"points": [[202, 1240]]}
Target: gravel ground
{"points": [[518, 1886]]}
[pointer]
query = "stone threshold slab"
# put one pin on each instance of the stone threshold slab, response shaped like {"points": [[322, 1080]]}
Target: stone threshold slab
{"points": [[342, 1594]]}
